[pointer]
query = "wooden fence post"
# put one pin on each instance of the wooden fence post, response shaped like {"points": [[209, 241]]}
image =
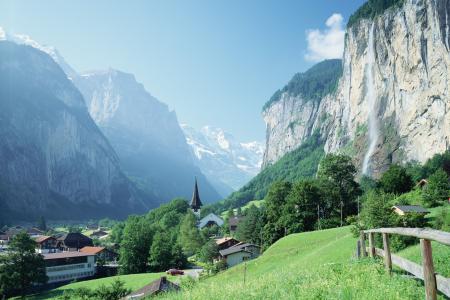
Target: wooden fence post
{"points": [[363, 244], [372, 244], [428, 270], [387, 253], [358, 249]]}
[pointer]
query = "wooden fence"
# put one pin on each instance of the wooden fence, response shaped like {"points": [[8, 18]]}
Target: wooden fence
{"points": [[433, 282]]}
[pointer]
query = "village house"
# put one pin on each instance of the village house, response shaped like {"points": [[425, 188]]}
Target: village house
{"points": [[422, 183], [233, 223], [239, 253], [34, 232], [46, 244], [196, 204], [68, 266], [226, 242], [99, 234], [154, 288], [402, 210], [101, 253], [73, 241], [210, 220], [92, 226]]}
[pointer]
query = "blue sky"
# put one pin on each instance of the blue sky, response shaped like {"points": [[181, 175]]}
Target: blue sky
{"points": [[213, 62]]}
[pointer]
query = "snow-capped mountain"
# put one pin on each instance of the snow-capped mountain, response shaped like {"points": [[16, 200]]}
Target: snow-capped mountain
{"points": [[23, 39], [222, 158]]}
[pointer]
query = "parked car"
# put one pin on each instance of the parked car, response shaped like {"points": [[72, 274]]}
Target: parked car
{"points": [[175, 272]]}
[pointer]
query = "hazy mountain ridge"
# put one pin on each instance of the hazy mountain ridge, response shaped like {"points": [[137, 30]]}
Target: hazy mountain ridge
{"points": [[55, 161], [145, 133], [402, 57], [221, 156]]}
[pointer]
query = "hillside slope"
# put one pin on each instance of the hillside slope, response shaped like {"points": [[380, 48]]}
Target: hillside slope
{"points": [[311, 265], [298, 164]]}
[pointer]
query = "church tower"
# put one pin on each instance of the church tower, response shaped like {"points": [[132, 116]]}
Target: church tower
{"points": [[196, 203]]}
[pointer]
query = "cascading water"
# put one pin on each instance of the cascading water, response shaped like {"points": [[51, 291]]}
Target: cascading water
{"points": [[371, 102]]}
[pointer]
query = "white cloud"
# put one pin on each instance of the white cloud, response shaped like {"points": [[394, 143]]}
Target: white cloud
{"points": [[327, 43]]}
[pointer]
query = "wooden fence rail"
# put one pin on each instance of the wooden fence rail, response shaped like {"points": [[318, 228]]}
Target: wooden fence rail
{"points": [[433, 282]]}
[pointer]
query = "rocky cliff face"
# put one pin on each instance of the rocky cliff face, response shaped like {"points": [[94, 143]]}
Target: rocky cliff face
{"points": [[145, 133], [392, 102], [54, 160]]}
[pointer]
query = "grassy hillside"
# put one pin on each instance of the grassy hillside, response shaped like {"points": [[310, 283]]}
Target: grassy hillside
{"points": [[133, 282], [312, 265], [257, 203], [298, 164]]}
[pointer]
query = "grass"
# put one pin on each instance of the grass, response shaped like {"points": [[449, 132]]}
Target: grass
{"points": [[257, 203], [441, 257], [133, 282], [312, 265]]}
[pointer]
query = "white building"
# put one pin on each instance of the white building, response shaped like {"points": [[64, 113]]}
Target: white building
{"points": [[68, 266], [210, 220], [239, 253]]}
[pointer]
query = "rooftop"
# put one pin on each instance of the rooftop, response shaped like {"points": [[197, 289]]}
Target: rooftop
{"points": [[92, 250], [159, 285], [411, 208], [240, 247], [69, 254], [223, 240], [43, 238]]}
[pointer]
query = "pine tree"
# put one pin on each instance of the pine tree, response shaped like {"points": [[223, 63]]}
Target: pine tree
{"points": [[190, 238], [42, 225], [160, 255]]}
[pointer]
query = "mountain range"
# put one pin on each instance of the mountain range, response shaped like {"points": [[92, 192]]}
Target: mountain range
{"points": [[229, 164], [94, 140]]}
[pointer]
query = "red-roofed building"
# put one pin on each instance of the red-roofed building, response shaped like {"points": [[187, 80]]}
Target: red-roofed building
{"points": [[102, 254]]}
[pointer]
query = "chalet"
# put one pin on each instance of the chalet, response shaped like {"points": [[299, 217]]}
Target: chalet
{"points": [[402, 210], [239, 253], [73, 241], [422, 183], [68, 266], [92, 226], [5, 239], [233, 223], [34, 232], [210, 220], [226, 242], [46, 244], [196, 203], [156, 287], [99, 234], [101, 253]]}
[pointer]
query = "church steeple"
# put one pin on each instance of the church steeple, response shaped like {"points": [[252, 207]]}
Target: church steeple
{"points": [[196, 203]]}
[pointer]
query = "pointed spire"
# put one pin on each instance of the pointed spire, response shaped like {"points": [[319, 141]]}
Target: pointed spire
{"points": [[196, 203]]}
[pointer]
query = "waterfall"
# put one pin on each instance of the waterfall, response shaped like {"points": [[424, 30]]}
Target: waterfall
{"points": [[371, 103]]}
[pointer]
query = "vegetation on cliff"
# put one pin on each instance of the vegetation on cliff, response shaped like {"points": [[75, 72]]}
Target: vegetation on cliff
{"points": [[371, 9], [312, 85]]}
